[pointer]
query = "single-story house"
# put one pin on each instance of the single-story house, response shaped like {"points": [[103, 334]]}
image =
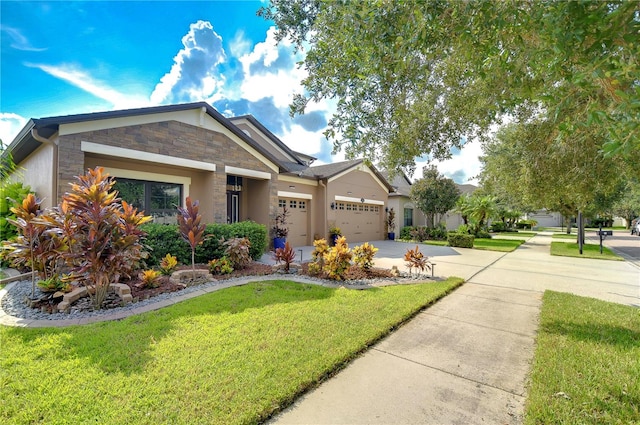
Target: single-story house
{"points": [[235, 167], [407, 214]]}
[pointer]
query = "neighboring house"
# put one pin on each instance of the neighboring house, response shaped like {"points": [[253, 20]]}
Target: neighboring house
{"points": [[407, 214], [236, 168]]}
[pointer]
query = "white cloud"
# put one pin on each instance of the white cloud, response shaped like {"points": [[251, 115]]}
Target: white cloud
{"points": [[467, 161], [81, 79], [270, 70], [19, 41], [194, 75], [10, 126]]}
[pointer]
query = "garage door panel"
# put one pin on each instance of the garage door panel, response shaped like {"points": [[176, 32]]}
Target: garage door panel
{"points": [[359, 222]]}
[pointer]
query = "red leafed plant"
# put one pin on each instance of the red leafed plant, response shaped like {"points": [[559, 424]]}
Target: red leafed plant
{"points": [[191, 230], [104, 241], [416, 259], [285, 255]]}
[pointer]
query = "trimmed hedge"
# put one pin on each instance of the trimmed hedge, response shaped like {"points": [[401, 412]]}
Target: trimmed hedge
{"points": [[163, 239], [460, 240]]}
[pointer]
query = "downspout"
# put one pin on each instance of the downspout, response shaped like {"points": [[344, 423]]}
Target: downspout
{"points": [[54, 166], [324, 210]]}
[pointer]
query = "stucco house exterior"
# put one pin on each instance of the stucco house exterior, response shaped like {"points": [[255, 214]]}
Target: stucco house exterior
{"points": [[236, 168], [407, 214]]}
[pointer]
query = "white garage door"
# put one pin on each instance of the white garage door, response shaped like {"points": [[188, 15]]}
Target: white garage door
{"points": [[298, 220], [359, 222]]}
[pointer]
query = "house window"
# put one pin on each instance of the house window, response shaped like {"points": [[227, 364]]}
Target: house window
{"points": [[154, 198], [408, 217]]}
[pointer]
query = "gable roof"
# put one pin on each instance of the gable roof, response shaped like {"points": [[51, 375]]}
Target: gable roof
{"points": [[289, 159], [328, 171], [400, 183], [25, 142]]}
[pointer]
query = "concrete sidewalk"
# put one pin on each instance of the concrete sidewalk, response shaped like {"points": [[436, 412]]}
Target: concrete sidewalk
{"points": [[466, 359]]}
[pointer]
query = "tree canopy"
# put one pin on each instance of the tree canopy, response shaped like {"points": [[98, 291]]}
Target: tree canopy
{"points": [[415, 78], [434, 194]]}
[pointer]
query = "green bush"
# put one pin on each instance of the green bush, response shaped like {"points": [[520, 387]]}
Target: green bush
{"points": [[483, 234], [10, 192], [460, 240], [163, 239], [526, 224], [405, 232], [498, 227]]}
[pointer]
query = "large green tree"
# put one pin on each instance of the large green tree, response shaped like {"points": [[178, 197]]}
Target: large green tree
{"points": [[413, 78], [434, 194]]}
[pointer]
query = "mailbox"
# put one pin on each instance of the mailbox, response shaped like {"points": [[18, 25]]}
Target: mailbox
{"points": [[605, 233]]}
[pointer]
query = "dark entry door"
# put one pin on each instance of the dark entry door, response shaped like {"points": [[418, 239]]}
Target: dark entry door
{"points": [[233, 207]]}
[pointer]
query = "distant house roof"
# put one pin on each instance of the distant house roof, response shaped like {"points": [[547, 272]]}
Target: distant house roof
{"points": [[330, 170], [400, 183], [467, 188]]}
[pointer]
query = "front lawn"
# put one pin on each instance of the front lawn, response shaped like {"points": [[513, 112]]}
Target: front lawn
{"points": [[521, 234], [568, 249], [586, 365], [565, 236], [232, 356]]}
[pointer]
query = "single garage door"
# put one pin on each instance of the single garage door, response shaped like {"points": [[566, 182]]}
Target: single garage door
{"points": [[298, 220], [359, 222]]}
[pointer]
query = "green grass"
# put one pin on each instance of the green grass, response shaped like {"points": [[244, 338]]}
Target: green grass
{"points": [[586, 364], [233, 356], [501, 245], [572, 236], [567, 249], [437, 243], [523, 234]]}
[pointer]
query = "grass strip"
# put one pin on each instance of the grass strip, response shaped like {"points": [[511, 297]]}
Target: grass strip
{"points": [[501, 245], [572, 236], [523, 234], [567, 249], [233, 356], [586, 363]]}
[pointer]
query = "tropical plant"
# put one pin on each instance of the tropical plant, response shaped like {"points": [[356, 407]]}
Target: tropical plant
{"points": [[416, 260], [150, 278], [102, 234], [482, 209], [168, 264], [463, 207], [191, 230], [363, 255], [320, 248], [24, 250], [280, 229], [285, 255], [338, 260], [12, 195], [54, 284], [335, 231], [391, 221], [237, 251], [220, 266]]}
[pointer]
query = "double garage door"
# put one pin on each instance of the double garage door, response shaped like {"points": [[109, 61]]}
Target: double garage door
{"points": [[359, 222]]}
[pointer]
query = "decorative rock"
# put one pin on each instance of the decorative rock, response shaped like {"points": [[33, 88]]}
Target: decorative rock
{"points": [[188, 276]]}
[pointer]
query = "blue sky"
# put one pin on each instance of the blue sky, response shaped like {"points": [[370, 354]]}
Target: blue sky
{"points": [[61, 58]]}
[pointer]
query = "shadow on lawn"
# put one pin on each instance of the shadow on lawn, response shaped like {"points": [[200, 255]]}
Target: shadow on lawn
{"points": [[126, 346], [598, 333]]}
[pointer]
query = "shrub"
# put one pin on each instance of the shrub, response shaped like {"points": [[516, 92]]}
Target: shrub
{"points": [[150, 278], [220, 266], [464, 229], [320, 249], [439, 232], [420, 233], [168, 264], [280, 229], [285, 255], [12, 195], [482, 234], [498, 227], [526, 224], [363, 255], [460, 240], [338, 260], [405, 232], [237, 251], [416, 260], [162, 239]]}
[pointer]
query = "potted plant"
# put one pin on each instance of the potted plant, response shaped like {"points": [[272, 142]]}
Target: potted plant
{"points": [[334, 233], [391, 224], [280, 230]]}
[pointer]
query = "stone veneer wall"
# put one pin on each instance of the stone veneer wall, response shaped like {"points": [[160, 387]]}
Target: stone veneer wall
{"points": [[169, 138]]}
